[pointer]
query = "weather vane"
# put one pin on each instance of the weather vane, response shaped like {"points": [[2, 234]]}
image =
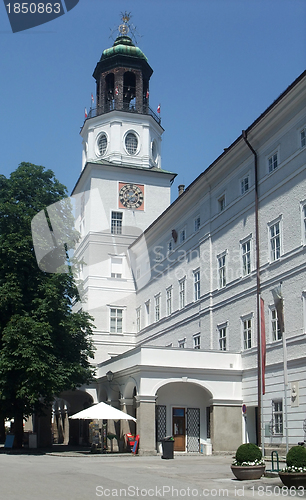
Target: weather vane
{"points": [[126, 26]]}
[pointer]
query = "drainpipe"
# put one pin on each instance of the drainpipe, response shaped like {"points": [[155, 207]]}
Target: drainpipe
{"points": [[259, 361]]}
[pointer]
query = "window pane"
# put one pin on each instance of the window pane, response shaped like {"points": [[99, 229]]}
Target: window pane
{"points": [[116, 223], [131, 143]]}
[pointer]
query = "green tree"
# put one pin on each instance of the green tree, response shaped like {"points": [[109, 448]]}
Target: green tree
{"points": [[44, 345]]}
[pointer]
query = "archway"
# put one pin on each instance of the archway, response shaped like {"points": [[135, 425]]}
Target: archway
{"points": [[74, 432], [183, 410]]}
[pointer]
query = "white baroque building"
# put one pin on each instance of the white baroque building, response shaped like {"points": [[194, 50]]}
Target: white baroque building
{"points": [[174, 288]]}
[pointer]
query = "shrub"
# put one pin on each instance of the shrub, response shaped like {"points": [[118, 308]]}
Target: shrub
{"points": [[248, 452], [296, 457]]}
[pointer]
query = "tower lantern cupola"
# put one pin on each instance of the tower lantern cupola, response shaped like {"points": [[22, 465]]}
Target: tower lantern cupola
{"points": [[122, 129], [122, 76]]}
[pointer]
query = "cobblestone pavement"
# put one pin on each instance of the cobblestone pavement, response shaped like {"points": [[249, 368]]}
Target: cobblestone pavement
{"points": [[79, 475]]}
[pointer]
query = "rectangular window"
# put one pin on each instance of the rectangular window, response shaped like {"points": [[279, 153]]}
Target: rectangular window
{"points": [[116, 225], [275, 241], [222, 338], [116, 267], [303, 138], [169, 301], [182, 343], [182, 236], [277, 417], [246, 257], [272, 162], [157, 308], [221, 202], [170, 246], [276, 332], [222, 271], [147, 311], [116, 320], [247, 333], [197, 289], [138, 311], [197, 223], [244, 184], [182, 293], [197, 342]]}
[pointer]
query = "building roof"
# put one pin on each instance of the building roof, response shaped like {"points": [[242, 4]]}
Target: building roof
{"points": [[226, 151], [105, 163]]}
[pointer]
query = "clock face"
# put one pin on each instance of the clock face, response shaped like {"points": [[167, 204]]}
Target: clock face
{"points": [[131, 196]]}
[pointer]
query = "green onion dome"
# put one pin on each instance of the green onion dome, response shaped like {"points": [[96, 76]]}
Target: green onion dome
{"points": [[123, 45]]}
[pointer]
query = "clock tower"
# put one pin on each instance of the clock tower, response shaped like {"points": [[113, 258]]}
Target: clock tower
{"points": [[122, 189]]}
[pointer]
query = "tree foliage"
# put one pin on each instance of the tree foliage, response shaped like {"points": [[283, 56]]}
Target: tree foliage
{"points": [[44, 345]]}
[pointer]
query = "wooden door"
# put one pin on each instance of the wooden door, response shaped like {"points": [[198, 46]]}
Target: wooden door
{"points": [[179, 428]]}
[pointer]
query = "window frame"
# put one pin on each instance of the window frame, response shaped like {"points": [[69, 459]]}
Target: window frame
{"points": [[157, 304], [279, 413], [222, 339], [197, 284], [197, 341], [116, 317], [221, 203], [197, 223], [275, 332], [222, 277], [113, 220], [182, 235], [182, 293], [273, 256], [243, 242], [243, 191], [148, 312], [101, 136], [127, 146], [247, 332], [182, 343], [271, 164], [169, 300]]}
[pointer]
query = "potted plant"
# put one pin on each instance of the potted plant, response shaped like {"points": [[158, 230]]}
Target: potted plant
{"points": [[294, 474], [248, 463]]}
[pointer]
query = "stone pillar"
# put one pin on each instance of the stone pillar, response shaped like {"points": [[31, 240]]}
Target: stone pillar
{"points": [[226, 427], [145, 427]]}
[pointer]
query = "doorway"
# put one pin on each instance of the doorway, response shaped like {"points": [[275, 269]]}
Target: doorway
{"points": [[179, 428]]}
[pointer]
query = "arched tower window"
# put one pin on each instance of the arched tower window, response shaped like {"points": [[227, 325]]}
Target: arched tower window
{"points": [[129, 91], [109, 92]]}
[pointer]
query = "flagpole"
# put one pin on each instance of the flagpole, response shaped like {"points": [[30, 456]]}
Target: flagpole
{"points": [[285, 377], [261, 386]]}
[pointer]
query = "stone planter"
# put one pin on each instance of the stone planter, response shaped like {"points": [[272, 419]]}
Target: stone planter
{"points": [[248, 471], [296, 479]]}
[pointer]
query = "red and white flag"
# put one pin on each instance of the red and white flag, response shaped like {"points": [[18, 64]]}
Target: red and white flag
{"points": [[92, 98], [147, 95], [263, 344], [158, 108], [85, 112], [116, 91]]}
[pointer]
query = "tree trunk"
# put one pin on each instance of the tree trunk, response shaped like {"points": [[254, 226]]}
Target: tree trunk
{"points": [[18, 430]]}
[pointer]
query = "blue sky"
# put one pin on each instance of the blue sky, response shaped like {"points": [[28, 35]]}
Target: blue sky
{"points": [[217, 65]]}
